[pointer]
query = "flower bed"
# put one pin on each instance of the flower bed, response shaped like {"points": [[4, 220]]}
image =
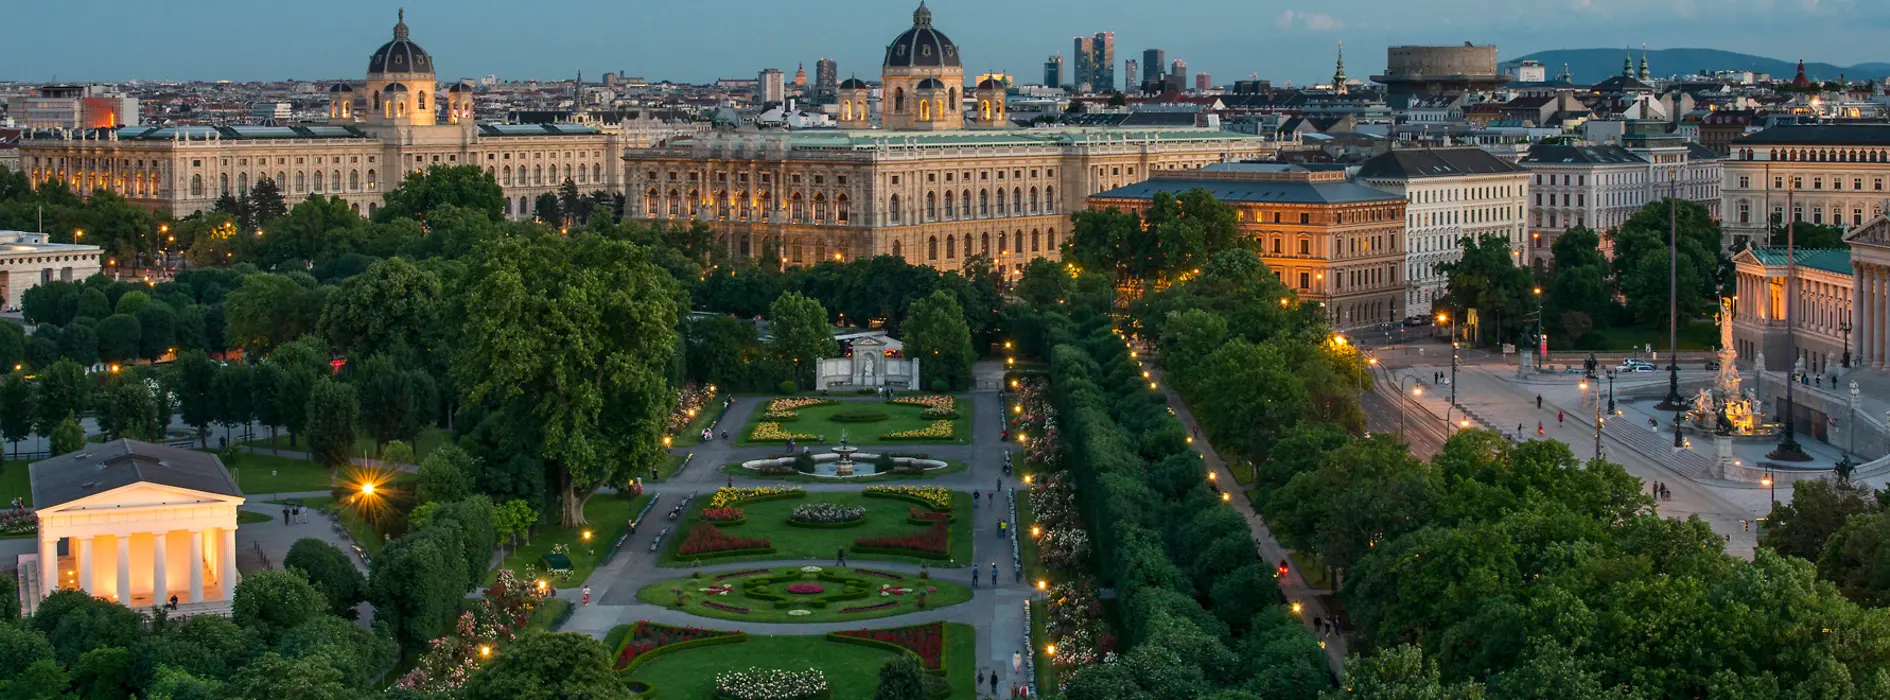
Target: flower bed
{"points": [[934, 497], [647, 637], [724, 608], [926, 517], [689, 402], [935, 406], [858, 415], [826, 514], [739, 574], [771, 684], [927, 641], [724, 516], [797, 403], [870, 608], [881, 574], [933, 543], [938, 430], [781, 416], [731, 497], [771, 431], [806, 588], [708, 540], [18, 522]]}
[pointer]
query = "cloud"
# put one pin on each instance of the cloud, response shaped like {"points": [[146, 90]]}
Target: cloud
{"points": [[1310, 21]]}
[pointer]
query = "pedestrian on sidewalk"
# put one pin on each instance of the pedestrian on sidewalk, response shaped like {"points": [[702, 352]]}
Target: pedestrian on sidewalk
{"points": [[285, 515], [1017, 662], [1000, 529], [980, 681], [1538, 402], [994, 574], [587, 596], [1558, 417], [840, 557], [994, 683], [999, 487], [974, 500], [1539, 431]]}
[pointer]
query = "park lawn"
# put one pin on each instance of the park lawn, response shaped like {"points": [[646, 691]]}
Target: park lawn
{"points": [[609, 516], [692, 435], [259, 474], [357, 527], [548, 612], [430, 440], [14, 483], [814, 420], [951, 467], [671, 464], [1311, 568], [947, 594], [961, 658], [852, 670], [245, 517], [768, 519]]}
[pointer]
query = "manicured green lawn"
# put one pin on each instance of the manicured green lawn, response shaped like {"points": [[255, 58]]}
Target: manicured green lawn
{"points": [[1693, 336], [263, 474], [245, 517], [961, 658], [669, 467], [550, 611], [768, 519], [951, 467], [430, 440], [852, 670], [692, 435], [14, 484], [608, 514], [816, 420], [357, 527], [1039, 643], [1310, 567], [945, 593]]}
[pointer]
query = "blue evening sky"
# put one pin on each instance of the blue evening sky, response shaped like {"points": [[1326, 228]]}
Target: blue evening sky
{"points": [[699, 40]]}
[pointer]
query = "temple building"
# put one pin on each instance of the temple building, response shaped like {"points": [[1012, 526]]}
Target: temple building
{"points": [[396, 121]]}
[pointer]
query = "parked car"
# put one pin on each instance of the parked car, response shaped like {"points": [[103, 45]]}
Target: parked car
{"points": [[1643, 368], [1712, 365], [1415, 321]]}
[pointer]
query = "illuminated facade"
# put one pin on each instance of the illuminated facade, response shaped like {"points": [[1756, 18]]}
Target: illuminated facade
{"points": [[396, 121]]}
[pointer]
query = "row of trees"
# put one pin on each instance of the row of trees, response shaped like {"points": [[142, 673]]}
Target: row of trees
{"points": [[1584, 292]]}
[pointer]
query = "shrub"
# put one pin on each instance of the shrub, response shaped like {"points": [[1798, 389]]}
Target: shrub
{"points": [[786, 387], [723, 515], [860, 415], [927, 641], [804, 463], [940, 385], [934, 497], [826, 513], [771, 684], [730, 497]]}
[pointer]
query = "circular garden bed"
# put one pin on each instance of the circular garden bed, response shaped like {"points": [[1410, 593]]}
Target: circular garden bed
{"points": [[804, 594]]}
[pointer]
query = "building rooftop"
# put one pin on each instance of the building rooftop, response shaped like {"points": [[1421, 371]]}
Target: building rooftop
{"points": [[1258, 191], [1836, 260], [106, 466], [27, 242], [1406, 164], [1819, 135], [870, 139], [1556, 154]]}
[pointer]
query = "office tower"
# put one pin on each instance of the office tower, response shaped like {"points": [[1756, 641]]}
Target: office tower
{"points": [[1129, 73], [826, 77], [1053, 71], [1201, 81], [1084, 74], [1178, 67], [769, 87], [1104, 62], [1153, 60]]}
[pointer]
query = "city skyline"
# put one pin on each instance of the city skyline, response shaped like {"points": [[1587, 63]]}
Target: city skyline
{"points": [[1284, 40]]}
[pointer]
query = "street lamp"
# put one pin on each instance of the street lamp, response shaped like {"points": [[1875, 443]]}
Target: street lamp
{"points": [[1403, 403], [587, 548], [1767, 482], [1611, 373], [1846, 361]]}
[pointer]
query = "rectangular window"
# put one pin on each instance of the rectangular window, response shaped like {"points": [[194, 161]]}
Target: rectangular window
{"points": [[1305, 218], [1745, 181], [1817, 183], [1305, 248], [1303, 279]]}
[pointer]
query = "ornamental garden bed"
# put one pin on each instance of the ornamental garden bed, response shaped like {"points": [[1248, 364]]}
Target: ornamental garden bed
{"points": [[767, 521], [648, 640], [851, 670], [804, 594], [925, 640], [865, 423], [826, 515]]}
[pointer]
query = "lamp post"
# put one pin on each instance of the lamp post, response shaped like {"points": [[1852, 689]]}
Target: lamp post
{"points": [[1769, 483], [1673, 402], [1788, 448], [1404, 402], [1597, 397], [1611, 373], [1846, 361], [1850, 425], [587, 548]]}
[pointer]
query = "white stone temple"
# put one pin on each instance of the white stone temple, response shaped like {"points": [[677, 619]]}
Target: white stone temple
{"points": [[869, 366]]}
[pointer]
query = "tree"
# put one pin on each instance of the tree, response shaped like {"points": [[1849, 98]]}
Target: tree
{"points": [[333, 414], [1818, 508], [194, 377], [936, 335], [394, 304], [265, 386], [1642, 261], [269, 310], [157, 330], [64, 391], [1807, 236], [546, 666], [572, 339], [16, 410], [272, 677], [118, 338], [467, 187], [545, 209], [514, 519], [20, 648], [801, 335], [12, 345], [901, 679], [93, 304], [67, 437], [235, 398], [418, 583], [1488, 280], [319, 228], [444, 476], [396, 403], [1401, 674], [44, 680], [126, 409], [265, 204], [103, 674], [361, 655], [330, 571], [272, 602]]}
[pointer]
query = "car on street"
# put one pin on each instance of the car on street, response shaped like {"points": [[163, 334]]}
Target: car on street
{"points": [[1643, 367], [1712, 365]]}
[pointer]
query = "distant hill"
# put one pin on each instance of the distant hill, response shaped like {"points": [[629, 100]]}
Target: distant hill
{"points": [[1595, 65]]}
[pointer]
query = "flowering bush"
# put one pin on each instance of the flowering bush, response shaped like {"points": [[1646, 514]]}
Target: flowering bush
{"points": [[935, 406], [722, 515], [771, 684], [770, 431], [731, 497], [647, 636], [935, 541], [709, 539], [826, 513], [927, 640], [497, 618], [1064, 547], [806, 588], [689, 403], [930, 515], [18, 522], [938, 497], [938, 430]]}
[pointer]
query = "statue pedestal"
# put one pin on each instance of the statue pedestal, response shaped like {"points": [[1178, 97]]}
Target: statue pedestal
{"points": [[1723, 456]]}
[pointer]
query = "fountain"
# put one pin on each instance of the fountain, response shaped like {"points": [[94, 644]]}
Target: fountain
{"points": [[845, 466], [1725, 408]]}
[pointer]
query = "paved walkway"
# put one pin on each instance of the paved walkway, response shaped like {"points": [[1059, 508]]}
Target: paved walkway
{"points": [[996, 613]]}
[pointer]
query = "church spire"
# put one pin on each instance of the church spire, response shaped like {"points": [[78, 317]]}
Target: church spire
{"points": [[1338, 73], [922, 17], [1627, 63], [1646, 75]]}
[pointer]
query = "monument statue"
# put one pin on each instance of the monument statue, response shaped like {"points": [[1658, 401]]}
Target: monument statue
{"points": [[1726, 407]]}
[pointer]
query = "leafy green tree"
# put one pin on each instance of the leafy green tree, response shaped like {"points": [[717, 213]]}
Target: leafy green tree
{"points": [[445, 475], [545, 209], [361, 655], [1642, 262], [157, 330], [394, 304], [1400, 673], [802, 335], [79, 342], [718, 349], [172, 683], [545, 666], [417, 584], [129, 302], [126, 409], [64, 391], [514, 519], [901, 679], [1817, 510], [396, 402], [194, 376], [936, 334], [271, 602], [571, 338], [269, 310], [55, 302], [67, 437], [1806, 235], [12, 345], [236, 406], [1580, 282], [1256, 399], [1044, 284], [1488, 280], [75, 622], [20, 648], [333, 415], [93, 304], [1856, 558], [318, 228], [210, 646], [265, 204], [272, 677], [44, 680], [103, 674], [330, 571], [467, 187], [265, 386], [17, 406]]}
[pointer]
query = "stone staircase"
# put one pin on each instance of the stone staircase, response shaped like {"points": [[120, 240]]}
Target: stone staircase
{"points": [[29, 583], [1658, 446]]}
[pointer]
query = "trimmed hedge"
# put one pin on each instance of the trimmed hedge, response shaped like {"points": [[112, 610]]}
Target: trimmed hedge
{"points": [[640, 689], [725, 553], [734, 638], [856, 522], [859, 416], [950, 517], [722, 523], [927, 505]]}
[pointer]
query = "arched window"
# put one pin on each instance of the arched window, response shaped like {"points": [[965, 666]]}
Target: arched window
{"points": [[892, 209], [567, 170], [820, 207], [282, 178], [899, 100], [844, 207], [507, 176], [371, 208], [765, 203], [581, 174], [1050, 198], [931, 248], [1017, 200], [377, 100], [951, 246], [820, 249], [984, 202], [400, 109], [651, 200], [931, 205], [354, 180], [538, 174], [743, 251], [196, 185], [223, 183], [335, 181], [846, 110], [796, 247], [597, 173], [984, 110], [743, 205], [524, 209], [1050, 239], [675, 204], [301, 181], [242, 183], [508, 206], [951, 205], [1018, 240], [695, 202], [965, 202], [371, 182], [797, 210], [985, 243], [1000, 202], [316, 182], [925, 110], [423, 100], [1036, 239], [896, 251], [721, 204], [1033, 200]]}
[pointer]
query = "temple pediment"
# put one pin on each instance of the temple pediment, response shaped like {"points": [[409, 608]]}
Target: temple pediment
{"points": [[1875, 232]]}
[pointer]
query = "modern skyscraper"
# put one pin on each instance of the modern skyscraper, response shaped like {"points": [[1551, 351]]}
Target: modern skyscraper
{"points": [[826, 77], [1202, 82], [1178, 67], [1105, 62], [1053, 71], [1131, 80], [1153, 61], [1084, 73], [770, 87]]}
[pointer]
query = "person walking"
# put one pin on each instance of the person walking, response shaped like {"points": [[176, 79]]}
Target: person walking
{"points": [[1538, 402], [980, 681], [1558, 417], [840, 556], [1000, 529], [1539, 430], [993, 574], [994, 684], [285, 515], [1017, 662], [974, 500], [587, 595]]}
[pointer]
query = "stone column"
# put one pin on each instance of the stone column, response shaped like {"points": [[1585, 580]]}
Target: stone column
{"points": [[82, 554], [1876, 322], [226, 564], [196, 566], [160, 569], [124, 569], [1859, 311], [48, 566]]}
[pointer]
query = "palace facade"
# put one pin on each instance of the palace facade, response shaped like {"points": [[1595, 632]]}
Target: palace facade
{"points": [[922, 181], [396, 121]]}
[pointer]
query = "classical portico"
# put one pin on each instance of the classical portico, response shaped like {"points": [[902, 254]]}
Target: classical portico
{"points": [[135, 523], [1870, 264]]}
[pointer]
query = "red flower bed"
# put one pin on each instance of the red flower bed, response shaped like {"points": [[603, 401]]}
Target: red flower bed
{"points": [[707, 539], [932, 541], [739, 574], [869, 608], [719, 606], [805, 588], [722, 515], [931, 515], [927, 640], [881, 574], [647, 636]]}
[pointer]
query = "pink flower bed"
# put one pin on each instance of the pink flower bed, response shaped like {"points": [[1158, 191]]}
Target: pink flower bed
{"points": [[806, 588], [739, 574]]}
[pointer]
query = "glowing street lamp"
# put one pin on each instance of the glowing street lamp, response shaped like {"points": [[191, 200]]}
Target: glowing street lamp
{"points": [[1043, 585], [1296, 607], [1050, 650], [485, 650], [1226, 497]]}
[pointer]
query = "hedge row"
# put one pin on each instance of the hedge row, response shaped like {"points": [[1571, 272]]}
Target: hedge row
{"points": [[645, 657]]}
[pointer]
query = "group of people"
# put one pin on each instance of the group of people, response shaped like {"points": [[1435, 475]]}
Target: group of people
{"points": [[1660, 491], [294, 514], [1018, 690]]}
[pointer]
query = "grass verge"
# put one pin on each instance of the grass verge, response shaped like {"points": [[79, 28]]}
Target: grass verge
{"points": [[768, 519], [608, 515], [816, 420], [852, 670], [945, 594], [259, 474]]}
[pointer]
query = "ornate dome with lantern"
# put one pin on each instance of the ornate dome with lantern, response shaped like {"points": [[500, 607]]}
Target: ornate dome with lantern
{"points": [[922, 58]]}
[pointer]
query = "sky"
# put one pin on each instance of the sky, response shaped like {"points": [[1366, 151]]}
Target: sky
{"points": [[701, 40]]}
